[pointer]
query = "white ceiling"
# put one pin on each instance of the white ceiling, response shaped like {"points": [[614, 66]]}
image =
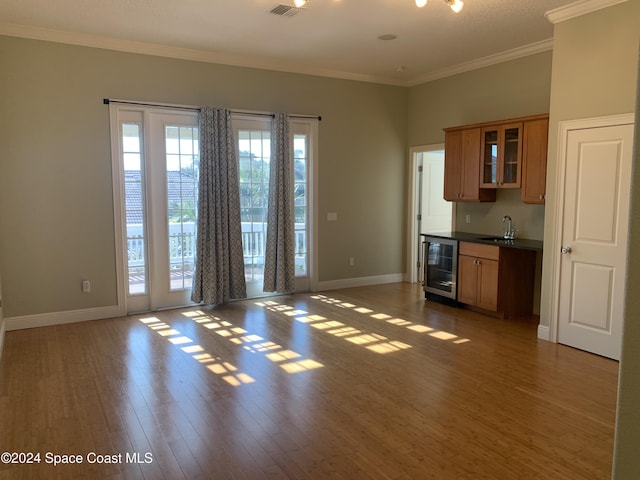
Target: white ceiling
{"points": [[336, 38]]}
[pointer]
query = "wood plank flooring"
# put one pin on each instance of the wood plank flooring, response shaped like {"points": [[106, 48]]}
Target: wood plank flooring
{"points": [[363, 383]]}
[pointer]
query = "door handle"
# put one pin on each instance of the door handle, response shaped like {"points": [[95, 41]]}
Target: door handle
{"points": [[566, 250]]}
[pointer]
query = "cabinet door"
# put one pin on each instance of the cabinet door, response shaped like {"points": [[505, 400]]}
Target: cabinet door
{"points": [[501, 156], [452, 165], [534, 160], [470, 185], [461, 167], [490, 156], [467, 280], [488, 284]]}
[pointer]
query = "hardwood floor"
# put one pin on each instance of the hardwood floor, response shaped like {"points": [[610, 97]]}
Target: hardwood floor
{"points": [[363, 383]]}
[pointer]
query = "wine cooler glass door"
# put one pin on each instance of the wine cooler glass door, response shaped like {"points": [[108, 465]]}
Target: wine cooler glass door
{"points": [[441, 267]]}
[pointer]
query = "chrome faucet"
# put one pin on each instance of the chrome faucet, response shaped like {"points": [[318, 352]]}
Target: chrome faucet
{"points": [[510, 233]]}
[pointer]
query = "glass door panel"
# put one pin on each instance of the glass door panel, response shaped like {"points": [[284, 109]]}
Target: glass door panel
{"points": [[301, 203], [440, 267], [501, 154], [490, 158], [302, 141], [134, 206], [254, 155], [182, 160], [172, 167], [511, 160]]}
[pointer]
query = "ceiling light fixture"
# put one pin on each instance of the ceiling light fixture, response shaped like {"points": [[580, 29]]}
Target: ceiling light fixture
{"points": [[300, 3], [455, 5]]}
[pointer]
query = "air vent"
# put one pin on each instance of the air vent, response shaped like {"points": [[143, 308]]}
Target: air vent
{"points": [[285, 10]]}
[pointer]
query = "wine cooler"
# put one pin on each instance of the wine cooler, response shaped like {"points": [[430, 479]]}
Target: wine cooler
{"points": [[440, 260]]}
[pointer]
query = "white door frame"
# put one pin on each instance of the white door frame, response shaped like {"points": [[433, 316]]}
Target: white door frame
{"points": [[558, 214], [412, 231]]}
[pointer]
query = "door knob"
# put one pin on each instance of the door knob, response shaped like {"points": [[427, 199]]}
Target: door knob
{"points": [[565, 250]]}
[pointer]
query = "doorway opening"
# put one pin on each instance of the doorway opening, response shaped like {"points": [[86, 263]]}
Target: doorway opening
{"points": [[428, 211]]}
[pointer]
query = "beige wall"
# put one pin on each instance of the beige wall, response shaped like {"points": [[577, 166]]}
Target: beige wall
{"points": [[56, 213], [595, 64], [511, 89], [626, 463], [594, 74]]}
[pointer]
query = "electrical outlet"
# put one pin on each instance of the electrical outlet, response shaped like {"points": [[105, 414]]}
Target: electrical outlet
{"points": [[352, 261], [467, 218], [86, 286]]}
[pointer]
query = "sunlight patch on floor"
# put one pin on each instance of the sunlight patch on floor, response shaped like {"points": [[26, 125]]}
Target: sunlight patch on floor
{"points": [[415, 327], [388, 347], [338, 329], [301, 366], [214, 364], [255, 343]]}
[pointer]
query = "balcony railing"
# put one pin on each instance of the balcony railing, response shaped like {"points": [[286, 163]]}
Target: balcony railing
{"points": [[182, 247]]}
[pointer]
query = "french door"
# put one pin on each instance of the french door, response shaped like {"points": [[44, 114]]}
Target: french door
{"points": [[158, 156], [155, 169], [253, 137]]}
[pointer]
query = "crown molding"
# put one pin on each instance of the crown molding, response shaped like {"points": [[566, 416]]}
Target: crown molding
{"points": [[207, 56], [576, 9], [515, 53]]}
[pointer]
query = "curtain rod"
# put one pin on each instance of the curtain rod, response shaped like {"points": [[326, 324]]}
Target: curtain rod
{"points": [[107, 101]]}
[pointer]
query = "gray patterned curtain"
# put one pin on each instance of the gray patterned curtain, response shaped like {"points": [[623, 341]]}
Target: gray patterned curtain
{"points": [[219, 270], [279, 262]]}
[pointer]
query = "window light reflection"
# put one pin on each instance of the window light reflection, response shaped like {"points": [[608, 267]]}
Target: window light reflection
{"points": [[255, 343], [375, 342], [214, 364], [415, 327]]}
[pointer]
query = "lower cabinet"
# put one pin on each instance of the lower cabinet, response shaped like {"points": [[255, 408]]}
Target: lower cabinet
{"points": [[496, 279]]}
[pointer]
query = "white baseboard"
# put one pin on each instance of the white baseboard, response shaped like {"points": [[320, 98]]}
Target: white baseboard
{"points": [[359, 282], [544, 333], [73, 316], [59, 318]]}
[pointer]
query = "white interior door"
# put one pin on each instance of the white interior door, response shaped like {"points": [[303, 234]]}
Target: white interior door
{"points": [[436, 211], [594, 238]]}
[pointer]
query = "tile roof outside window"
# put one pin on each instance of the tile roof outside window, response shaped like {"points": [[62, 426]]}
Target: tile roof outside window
{"points": [[179, 185]]}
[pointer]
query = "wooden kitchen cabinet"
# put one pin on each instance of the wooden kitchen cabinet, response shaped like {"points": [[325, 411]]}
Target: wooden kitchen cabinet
{"points": [[501, 156], [496, 279], [534, 160], [478, 275], [483, 157], [461, 167]]}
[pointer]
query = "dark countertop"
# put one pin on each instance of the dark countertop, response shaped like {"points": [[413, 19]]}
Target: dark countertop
{"points": [[489, 240]]}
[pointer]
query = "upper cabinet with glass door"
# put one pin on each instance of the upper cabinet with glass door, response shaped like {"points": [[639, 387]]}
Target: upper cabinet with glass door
{"points": [[501, 156]]}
